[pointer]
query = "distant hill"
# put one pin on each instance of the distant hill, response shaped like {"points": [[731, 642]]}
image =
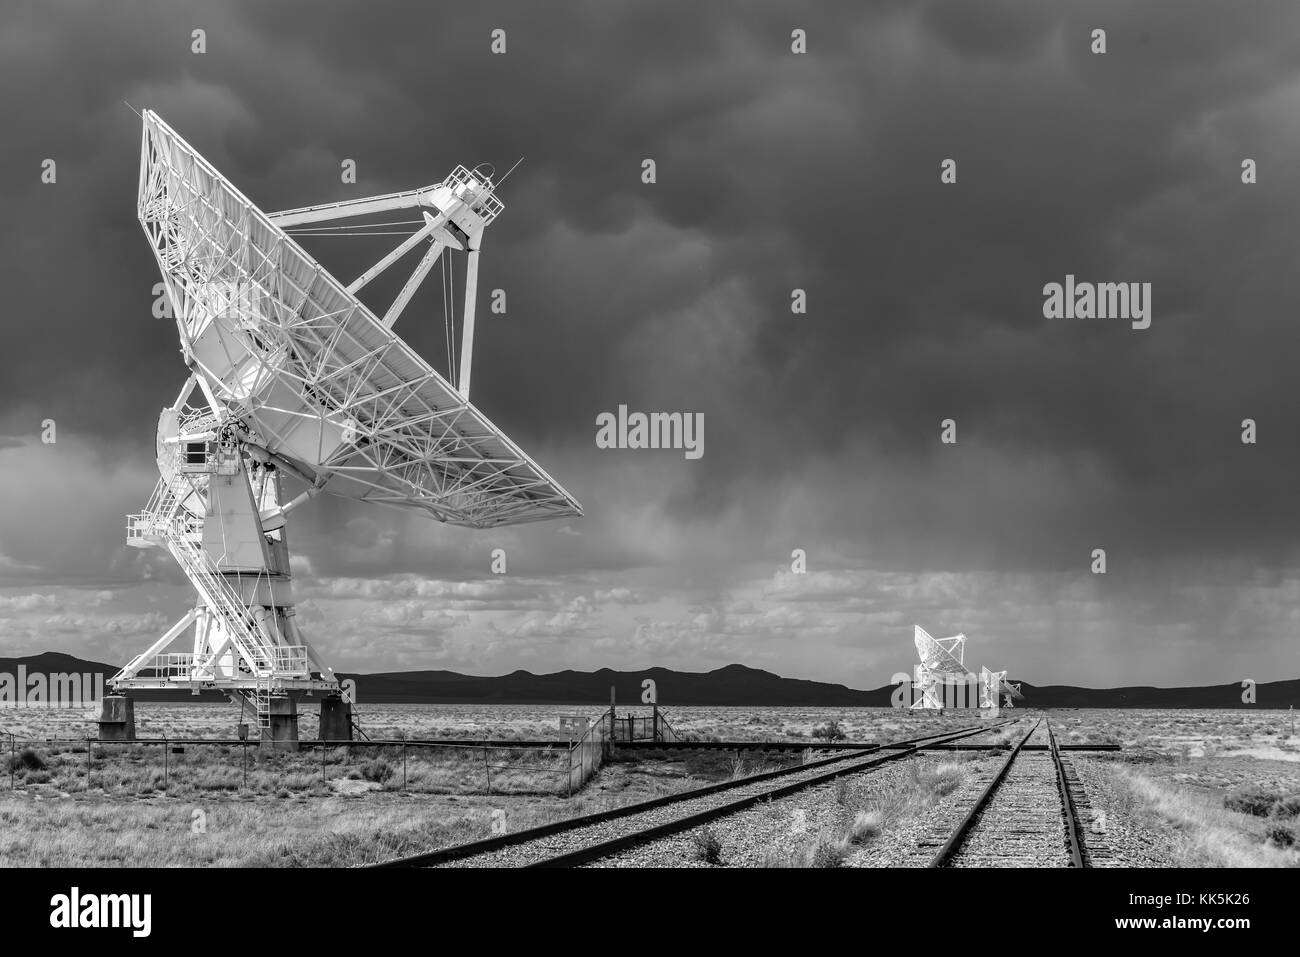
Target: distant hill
{"points": [[732, 685], [1268, 694], [736, 685]]}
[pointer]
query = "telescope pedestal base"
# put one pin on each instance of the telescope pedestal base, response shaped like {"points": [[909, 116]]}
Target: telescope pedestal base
{"points": [[282, 735], [335, 719], [117, 718]]}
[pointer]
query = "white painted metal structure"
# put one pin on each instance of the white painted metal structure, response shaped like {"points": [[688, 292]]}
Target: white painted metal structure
{"points": [[996, 691], [942, 662], [294, 380]]}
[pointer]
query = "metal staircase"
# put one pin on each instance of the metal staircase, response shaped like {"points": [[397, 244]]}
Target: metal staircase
{"points": [[165, 523]]}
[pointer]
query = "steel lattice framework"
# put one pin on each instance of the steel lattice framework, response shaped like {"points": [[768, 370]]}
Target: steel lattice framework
{"points": [[281, 343], [292, 376], [942, 661]]}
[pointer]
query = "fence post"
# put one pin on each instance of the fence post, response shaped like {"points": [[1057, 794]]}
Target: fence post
{"points": [[569, 777], [166, 751], [486, 770], [403, 766], [12, 759], [245, 764], [88, 764], [322, 762]]}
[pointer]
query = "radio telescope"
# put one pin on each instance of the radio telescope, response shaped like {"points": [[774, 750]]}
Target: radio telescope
{"points": [[995, 687], [942, 662], [296, 388]]}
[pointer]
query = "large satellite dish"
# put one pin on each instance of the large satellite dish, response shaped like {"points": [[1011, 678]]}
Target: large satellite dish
{"points": [[294, 380], [942, 662]]}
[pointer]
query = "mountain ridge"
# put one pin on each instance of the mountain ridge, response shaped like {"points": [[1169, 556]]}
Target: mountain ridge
{"points": [[731, 685]]}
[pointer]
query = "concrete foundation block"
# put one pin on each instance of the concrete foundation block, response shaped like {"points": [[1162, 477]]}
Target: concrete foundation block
{"points": [[282, 735], [335, 718], [117, 718]]}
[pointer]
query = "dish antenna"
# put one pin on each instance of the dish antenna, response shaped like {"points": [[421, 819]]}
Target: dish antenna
{"points": [[297, 387], [995, 688], [942, 662]]}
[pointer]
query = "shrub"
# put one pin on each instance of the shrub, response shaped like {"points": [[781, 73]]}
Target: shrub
{"points": [[826, 854], [377, 770], [1255, 802], [28, 760], [830, 731], [1287, 807], [707, 846], [1283, 835], [866, 825]]}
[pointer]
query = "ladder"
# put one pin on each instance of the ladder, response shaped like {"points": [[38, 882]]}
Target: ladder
{"points": [[261, 698], [164, 518]]}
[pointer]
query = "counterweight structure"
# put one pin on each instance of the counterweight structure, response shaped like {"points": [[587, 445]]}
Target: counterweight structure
{"points": [[296, 388]]}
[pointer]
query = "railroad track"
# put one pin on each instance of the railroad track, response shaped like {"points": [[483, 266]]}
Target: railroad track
{"points": [[591, 837], [1023, 817]]}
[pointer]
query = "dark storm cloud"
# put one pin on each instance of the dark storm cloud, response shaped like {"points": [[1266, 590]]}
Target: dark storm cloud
{"points": [[775, 171]]}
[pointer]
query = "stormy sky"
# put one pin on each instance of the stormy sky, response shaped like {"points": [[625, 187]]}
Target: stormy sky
{"points": [[775, 171]]}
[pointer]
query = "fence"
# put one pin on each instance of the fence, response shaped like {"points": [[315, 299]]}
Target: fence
{"points": [[145, 766], [651, 727], [588, 753], [199, 765]]}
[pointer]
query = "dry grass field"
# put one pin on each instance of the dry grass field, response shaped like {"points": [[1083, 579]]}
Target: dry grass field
{"points": [[1204, 788], [1195, 788]]}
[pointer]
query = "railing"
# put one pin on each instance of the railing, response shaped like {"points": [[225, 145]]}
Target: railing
{"points": [[472, 189], [163, 522], [221, 597], [171, 665]]}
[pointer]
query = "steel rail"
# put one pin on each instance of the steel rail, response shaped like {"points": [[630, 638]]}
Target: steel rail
{"points": [[586, 855], [1073, 836], [497, 842], [958, 836]]}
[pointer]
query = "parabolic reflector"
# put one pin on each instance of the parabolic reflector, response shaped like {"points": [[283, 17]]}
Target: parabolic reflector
{"points": [[942, 655], [283, 346]]}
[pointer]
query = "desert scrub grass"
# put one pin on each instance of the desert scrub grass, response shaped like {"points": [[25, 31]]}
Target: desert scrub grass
{"points": [[1287, 807], [1254, 801], [1202, 832], [377, 770], [1281, 834], [917, 788], [820, 851], [706, 846], [866, 825], [830, 731], [305, 830], [827, 853], [933, 781], [27, 760]]}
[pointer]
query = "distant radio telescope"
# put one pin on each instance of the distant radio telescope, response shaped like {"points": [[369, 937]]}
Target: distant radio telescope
{"points": [[942, 666]]}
